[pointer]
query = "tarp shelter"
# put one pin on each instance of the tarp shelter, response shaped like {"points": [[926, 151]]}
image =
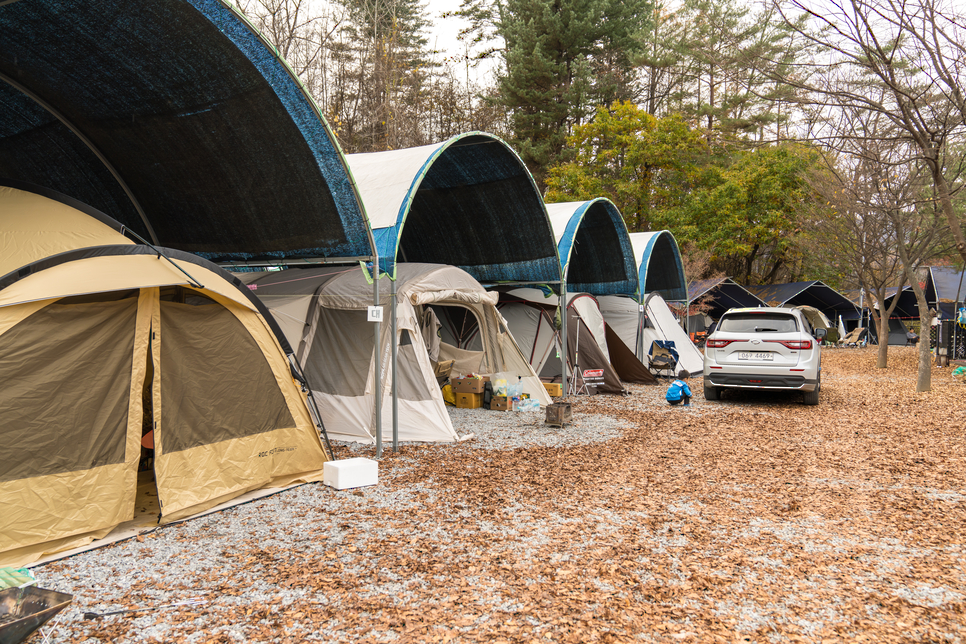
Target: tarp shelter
{"points": [[468, 202], [907, 307], [657, 323], [595, 250], [323, 312], [660, 269], [823, 297], [101, 341], [179, 120], [945, 286], [531, 315], [722, 294]]}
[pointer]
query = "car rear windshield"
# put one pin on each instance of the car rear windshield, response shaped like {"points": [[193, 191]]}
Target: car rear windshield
{"points": [[758, 323]]}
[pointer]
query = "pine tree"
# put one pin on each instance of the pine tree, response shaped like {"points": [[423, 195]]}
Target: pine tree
{"points": [[562, 59]]}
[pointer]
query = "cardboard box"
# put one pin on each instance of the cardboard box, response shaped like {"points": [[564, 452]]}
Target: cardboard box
{"points": [[469, 401], [468, 385], [555, 389], [500, 403], [350, 472]]}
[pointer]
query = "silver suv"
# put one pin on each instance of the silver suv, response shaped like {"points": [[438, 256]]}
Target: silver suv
{"points": [[764, 348]]}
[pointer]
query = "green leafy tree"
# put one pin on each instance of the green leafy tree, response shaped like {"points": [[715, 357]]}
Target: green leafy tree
{"points": [[750, 213], [647, 166]]}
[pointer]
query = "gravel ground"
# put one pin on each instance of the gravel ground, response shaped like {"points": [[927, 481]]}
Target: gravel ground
{"points": [[752, 519]]}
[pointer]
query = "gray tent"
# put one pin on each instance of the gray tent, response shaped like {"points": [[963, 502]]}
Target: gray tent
{"points": [[323, 312]]}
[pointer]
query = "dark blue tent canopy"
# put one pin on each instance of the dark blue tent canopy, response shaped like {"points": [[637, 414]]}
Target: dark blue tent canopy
{"points": [[469, 202], [177, 119], [594, 247], [817, 294], [660, 269]]}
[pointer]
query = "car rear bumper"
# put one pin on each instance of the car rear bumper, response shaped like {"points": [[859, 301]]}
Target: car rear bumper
{"points": [[760, 381]]}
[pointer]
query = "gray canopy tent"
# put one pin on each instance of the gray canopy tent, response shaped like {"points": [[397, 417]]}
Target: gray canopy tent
{"points": [[495, 228]]}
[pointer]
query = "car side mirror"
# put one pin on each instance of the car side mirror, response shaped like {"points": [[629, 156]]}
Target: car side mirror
{"points": [[821, 333]]}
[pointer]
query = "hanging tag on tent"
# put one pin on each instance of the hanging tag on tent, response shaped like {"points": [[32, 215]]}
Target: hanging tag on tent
{"points": [[375, 314], [640, 307], [558, 353]]}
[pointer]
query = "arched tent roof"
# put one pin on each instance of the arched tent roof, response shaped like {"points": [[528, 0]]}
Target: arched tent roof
{"points": [[468, 202], [594, 247], [660, 268], [179, 120], [817, 294]]}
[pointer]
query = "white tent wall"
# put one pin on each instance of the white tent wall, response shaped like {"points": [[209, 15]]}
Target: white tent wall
{"points": [[512, 358], [664, 326], [528, 312], [336, 351], [589, 311], [622, 313], [534, 332]]}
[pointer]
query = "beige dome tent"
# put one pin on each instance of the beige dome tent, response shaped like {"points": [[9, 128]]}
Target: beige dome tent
{"points": [[103, 340], [323, 311]]}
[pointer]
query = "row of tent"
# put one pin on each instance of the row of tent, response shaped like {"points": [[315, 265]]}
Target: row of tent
{"points": [[183, 124], [104, 340], [944, 288], [144, 150]]}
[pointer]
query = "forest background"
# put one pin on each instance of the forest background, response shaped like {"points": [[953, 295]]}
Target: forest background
{"points": [[779, 141]]}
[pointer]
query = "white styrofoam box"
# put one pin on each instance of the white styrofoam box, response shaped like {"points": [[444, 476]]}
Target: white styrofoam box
{"points": [[350, 472]]}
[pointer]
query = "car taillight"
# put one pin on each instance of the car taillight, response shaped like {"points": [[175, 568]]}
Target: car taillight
{"points": [[720, 344], [794, 344]]}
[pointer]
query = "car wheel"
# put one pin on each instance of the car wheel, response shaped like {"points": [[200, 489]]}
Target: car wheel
{"points": [[712, 393], [811, 397]]}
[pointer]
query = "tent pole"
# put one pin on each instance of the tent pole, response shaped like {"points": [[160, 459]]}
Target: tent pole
{"points": [[564, 382], [639, 349], [378, 345], [395, 347]]}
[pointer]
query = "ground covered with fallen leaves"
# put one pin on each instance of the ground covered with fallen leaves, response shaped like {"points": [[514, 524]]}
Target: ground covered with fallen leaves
{"points": [[751, 519]]}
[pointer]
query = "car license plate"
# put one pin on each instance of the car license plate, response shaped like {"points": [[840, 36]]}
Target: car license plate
{"points": [[760, 355]]}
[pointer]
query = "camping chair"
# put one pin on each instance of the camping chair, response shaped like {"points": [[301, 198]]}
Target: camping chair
{"points": [[660, 358], [853, 337]]}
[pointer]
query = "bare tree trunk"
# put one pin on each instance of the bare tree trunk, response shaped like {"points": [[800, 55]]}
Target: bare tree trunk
{"points": [[924, 379], [882, 324], [882, 357]]}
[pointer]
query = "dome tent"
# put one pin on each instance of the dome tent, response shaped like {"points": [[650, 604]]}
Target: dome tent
{"points": [[530, 314], [100, 343], [638, 331]]}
